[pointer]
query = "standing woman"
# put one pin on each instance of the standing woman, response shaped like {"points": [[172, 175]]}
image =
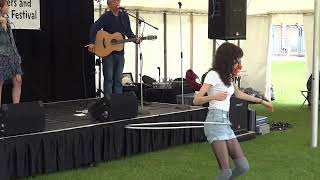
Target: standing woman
{"points": [[9, 57], [219, 87]]}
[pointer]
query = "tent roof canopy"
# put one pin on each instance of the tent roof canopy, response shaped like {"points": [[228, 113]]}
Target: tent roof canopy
{"points": [[255, 7]]}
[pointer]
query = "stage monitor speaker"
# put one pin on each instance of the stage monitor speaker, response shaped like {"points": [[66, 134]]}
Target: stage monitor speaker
{"points": [[227, 19], [22, 118], [114, 107]]}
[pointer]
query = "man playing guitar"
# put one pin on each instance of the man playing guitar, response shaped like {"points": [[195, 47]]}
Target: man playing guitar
{"points": [[112, 21]]}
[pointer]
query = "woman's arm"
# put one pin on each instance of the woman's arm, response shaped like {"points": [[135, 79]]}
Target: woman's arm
{"points": [[3, 22], [241, 95], [200, 97]]}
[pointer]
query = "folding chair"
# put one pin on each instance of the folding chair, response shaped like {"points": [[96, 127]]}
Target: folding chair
{"points": [[305, 95]]}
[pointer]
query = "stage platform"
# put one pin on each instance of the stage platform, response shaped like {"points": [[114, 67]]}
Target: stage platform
{"points": [[70, 141]]}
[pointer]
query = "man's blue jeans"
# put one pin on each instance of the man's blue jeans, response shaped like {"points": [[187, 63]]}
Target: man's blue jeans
{"points": [[112, 72]]}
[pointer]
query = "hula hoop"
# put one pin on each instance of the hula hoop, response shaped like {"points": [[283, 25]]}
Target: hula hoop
{"points": [[152, 126]]}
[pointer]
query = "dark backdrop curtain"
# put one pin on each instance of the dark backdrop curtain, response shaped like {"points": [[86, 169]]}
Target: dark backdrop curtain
{"points": [[52, 57]]}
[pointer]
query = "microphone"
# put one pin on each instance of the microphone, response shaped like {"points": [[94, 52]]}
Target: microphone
{"points": [[122, 9], [159, 72], [180, 4]]}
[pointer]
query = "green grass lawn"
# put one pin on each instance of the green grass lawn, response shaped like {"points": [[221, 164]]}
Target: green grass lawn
{"points": [[288, 78], [281, 155]]}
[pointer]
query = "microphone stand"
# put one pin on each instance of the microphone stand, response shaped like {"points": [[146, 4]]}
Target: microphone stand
{"points": [[99, 91], [239, 77], [140, 20], [99, 64], [142, 111], [84, 112], [182, 106]]}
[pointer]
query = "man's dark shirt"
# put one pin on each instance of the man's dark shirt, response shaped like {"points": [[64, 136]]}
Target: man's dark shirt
{"points": [[111, 23]]}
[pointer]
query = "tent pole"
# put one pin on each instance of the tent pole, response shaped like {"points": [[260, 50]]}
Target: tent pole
{"points": [[137, 50], [315, 81], [165, 52]]}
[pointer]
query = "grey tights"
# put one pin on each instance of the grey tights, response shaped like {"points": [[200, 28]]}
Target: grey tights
{"points": [[225, 174], [223, 150], [241, 167]]}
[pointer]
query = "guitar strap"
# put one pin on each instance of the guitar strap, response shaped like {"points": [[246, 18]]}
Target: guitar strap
{"points": [[122, 23]]}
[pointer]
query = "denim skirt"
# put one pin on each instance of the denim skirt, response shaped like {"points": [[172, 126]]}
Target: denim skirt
{"points": [[216, 132]]}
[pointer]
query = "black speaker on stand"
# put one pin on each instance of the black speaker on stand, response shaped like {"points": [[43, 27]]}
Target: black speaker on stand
{"points": [[227, 19]]}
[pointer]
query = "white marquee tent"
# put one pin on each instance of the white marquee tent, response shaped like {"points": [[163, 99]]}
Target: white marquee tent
{"points": [[198, 49]]}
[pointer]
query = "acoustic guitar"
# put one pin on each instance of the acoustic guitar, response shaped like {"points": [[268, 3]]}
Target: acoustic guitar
{"points": [[106, 43]]}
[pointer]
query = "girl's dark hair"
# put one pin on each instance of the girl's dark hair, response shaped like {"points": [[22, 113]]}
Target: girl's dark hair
{"points": [[225, 58], [3, 2]]}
